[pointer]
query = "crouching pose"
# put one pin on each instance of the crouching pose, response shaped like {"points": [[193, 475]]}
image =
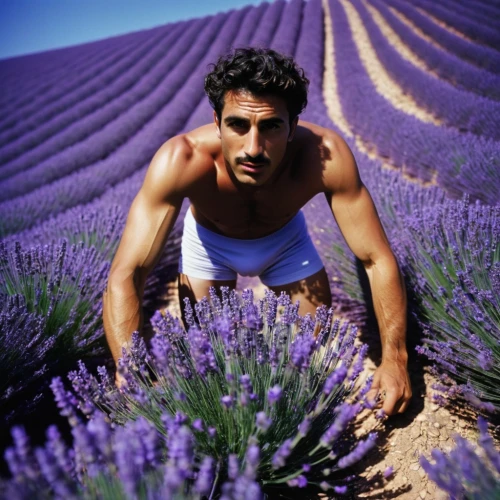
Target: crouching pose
{"points": [[247, 176]]}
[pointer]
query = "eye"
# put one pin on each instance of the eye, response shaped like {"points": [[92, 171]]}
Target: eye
{"points": [[270, 126], [237, 124]]}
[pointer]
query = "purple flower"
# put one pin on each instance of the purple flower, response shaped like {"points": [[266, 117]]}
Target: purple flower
{"points": [[274, 394], [299, 481], [345, 414], [233, 467], [304, 426], [246, 383], [197, 425], [388, 471], [335, 379], [282, 453], [227, 401], [205, 478], [66, 402], [341, 490], [262, 421], [360, 450], [201, 351], [20, 457], [252, 457], [301, 350]]}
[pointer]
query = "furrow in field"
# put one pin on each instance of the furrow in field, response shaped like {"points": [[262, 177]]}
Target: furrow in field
{"points": [[39, 72], [386, 86], [475, 54], [446, 65], [334, 107], [469, 29], [77, 87], [465, 163], [454, 107]]}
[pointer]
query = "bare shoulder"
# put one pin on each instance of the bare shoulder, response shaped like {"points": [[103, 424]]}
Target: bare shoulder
{"points": [[339, 169], [179, 163]]}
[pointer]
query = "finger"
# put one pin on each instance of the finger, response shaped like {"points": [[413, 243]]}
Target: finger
{"points": [[390, 402], [404, 404], [374, 399], [373, 393]]}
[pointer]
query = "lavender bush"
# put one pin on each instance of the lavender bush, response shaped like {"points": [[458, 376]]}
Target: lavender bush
{"points": [[451, 260], [468, 472], [50, 315], [262, 396], [133, 461]]}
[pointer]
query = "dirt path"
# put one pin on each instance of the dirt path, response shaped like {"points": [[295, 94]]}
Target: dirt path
{"points": [[403, 438]]}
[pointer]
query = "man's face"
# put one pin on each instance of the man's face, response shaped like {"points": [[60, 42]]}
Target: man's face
{"points": [[254, 132]]}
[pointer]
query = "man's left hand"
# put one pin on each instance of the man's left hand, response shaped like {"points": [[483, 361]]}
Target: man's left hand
{"points": [[392, 380]]}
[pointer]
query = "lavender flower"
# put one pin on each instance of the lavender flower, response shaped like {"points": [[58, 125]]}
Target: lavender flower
{"points": [[274, 394], [388, 472], [205, 477], [464, 472], [359, 452], [345, 414], [227, 401], [300, 351], [262, 421], [283, 452], [335, 379]]}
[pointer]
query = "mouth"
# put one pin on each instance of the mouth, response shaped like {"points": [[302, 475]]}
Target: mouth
{"points": [[252, 167]]}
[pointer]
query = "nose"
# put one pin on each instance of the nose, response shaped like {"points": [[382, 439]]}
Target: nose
{"points": [[253, 145]]}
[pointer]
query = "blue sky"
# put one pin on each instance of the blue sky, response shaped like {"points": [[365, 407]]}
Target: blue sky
{"points": [[28, 26]]}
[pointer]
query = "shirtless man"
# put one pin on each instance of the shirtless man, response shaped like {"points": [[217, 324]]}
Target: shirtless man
{"points": [[247, 177]]}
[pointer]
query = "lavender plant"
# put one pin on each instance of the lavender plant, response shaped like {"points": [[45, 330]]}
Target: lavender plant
{"points": [[468, 472], [258, 390], [50, 315], [451, 256], [133, 461]]}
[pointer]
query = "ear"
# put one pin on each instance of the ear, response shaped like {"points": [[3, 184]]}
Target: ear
{"points": [[217, 124], [293, 128]]}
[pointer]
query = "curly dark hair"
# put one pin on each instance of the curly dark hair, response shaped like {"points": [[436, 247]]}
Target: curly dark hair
{"points": [[259, 71]]}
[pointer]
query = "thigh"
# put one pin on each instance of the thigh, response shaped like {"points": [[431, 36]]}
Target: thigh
{"points": [[197, 288], [312, 292]]}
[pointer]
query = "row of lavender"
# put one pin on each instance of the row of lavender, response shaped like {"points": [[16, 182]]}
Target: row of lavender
{"points": [[307, 46], [447, 64], [476, 54]]}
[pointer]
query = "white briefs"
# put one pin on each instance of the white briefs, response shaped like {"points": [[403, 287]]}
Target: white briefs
{"points": [[285, 256]]}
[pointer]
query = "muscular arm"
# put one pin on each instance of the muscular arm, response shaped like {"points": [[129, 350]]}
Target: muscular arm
{"points": [[151, 217], [355, 213]]}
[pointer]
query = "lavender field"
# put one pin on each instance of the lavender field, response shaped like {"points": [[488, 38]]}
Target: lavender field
{"points": [[414, 89]]}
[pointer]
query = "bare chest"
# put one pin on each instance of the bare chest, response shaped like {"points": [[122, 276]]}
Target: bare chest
{"points": [[239, 216]]}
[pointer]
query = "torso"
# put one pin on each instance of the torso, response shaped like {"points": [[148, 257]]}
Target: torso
{"points": [[222, 206]]}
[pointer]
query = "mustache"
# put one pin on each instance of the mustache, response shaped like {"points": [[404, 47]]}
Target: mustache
{"points": [[260, 159]]}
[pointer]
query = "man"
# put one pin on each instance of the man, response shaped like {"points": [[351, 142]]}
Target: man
{"points": [[247, 176]]}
